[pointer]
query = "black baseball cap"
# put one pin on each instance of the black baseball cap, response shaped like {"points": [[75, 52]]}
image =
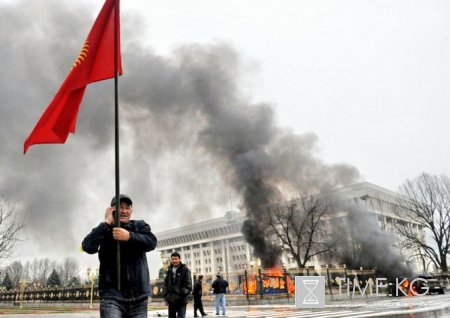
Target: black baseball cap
{"points": [[122, 198]]}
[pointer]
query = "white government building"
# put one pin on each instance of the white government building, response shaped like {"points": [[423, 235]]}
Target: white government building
{"points": [[218, 245]]}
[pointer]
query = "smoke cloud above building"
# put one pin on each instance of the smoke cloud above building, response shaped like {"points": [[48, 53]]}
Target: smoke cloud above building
{"points": [[190, 134]]}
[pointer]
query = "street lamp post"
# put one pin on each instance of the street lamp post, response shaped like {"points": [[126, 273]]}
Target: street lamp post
{"points": [[92, 276], [374, 274], [360, 279], [23, 284], [246, 283], [286, 282], [260, 282], [258, 263], [345, 272], [329, 281]]}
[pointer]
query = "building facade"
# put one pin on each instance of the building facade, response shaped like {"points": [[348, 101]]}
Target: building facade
{"points": [[210, 246], [217, 245]]}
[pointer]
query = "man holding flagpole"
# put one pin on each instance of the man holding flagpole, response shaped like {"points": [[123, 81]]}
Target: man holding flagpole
{"points": [[136, 239], [100, 59]]}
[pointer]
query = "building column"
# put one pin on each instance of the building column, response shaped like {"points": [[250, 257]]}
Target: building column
{"points": [[213, 259], [226, 254], [202, 259], [248, 254]]}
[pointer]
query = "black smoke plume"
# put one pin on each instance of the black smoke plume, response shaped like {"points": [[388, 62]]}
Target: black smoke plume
{"points": [[362, 243], [189, 133]]}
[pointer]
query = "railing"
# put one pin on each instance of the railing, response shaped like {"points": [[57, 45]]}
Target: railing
{"points": [[257, 283], [80, 293], [276, 283]]}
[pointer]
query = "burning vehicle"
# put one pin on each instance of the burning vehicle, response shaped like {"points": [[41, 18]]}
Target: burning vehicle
{"points": [[430, 285], [405, 287], [418, 286]]}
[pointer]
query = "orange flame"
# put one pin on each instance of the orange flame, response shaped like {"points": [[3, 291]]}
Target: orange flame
{"points": [[413, 288], [405, 284], [274, 278], [251, 284], [273, 282], [406, 287]]}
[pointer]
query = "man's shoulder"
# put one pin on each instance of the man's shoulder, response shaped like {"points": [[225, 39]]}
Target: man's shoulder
{"points": [[137, 224], [183, 267]]}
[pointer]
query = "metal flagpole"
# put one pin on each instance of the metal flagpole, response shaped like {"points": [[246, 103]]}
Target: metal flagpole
{"points": [[116, 122]]}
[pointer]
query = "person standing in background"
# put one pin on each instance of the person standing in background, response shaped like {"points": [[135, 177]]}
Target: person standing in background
{"points": [[198, 305], [177, 287], [219, 287]]}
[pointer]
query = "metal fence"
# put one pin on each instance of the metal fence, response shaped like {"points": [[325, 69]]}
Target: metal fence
{"points": [[259, 283], [82, 293], [247, 285]]}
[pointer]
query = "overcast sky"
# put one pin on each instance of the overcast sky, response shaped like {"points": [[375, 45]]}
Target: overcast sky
{"points": [[370, 78], [367, 79]]}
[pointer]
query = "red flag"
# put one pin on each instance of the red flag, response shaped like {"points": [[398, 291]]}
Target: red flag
{"points": [[94, 63]]}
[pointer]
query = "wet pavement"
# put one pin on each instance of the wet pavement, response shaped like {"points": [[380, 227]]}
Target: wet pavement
{"points": [[436, 306]]}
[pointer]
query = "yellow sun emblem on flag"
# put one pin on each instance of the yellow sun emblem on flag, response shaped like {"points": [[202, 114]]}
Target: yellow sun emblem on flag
{"points": [[83, 54]]}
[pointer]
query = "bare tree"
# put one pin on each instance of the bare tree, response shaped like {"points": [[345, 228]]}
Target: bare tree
{"points": [[27, 271], [68, 269], [426, 201], [301, 227], [15, 272], [40, 270], [10, 227]]}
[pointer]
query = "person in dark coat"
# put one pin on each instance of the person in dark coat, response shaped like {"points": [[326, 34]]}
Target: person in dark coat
{"points": [[136, 239], [177, 287], [219, 287], [198, 305]]}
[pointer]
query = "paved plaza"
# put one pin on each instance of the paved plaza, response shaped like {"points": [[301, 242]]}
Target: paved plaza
{"points": [[418, 307]]}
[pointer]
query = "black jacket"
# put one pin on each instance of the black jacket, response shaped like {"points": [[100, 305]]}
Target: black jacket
{"points": [[197, 292], [178, 289], [219, 286], [135, 278]]}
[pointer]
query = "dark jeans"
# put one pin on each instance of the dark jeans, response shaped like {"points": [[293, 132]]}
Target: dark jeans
{"points": [[115, 309], [177, 310], [198, 306]]}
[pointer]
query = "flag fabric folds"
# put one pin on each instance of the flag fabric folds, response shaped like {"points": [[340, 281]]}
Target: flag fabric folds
{"points": [[95, 62]]}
